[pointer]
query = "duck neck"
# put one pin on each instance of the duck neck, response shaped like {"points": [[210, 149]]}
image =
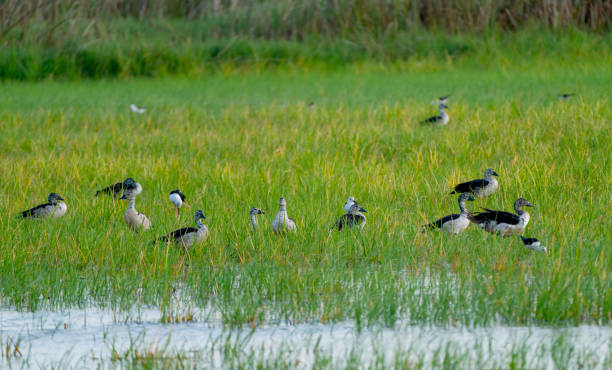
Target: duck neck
{"points": [[462, 207], [282, 214], [132, 203], [254, 220], [523, 215], [199, 223], [282, 211], [442, 112]]}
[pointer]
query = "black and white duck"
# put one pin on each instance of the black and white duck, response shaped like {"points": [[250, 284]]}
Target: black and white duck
{"points": [[455, 223], [440, 120], [54, 208], [178, 199], [353, 218], [188, 236], [479, 187], [504, 223], [117, 189], [533, 244]]}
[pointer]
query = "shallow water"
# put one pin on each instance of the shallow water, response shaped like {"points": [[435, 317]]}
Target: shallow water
{"points": [[87, 338]]}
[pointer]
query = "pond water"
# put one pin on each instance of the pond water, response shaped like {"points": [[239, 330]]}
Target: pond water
{"points": [[88, 338]]}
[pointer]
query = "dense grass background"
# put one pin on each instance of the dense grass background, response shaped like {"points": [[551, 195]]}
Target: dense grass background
{"points": [[66, 39], [239, 139], [161, 48]]}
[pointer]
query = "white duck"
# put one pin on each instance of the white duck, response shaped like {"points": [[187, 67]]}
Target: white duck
{"points": [[134, 219], [282, 222]]}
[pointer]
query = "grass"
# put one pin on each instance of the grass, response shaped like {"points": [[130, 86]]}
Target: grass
{"points": [[160, 47], [241, 138], [375, 349]]}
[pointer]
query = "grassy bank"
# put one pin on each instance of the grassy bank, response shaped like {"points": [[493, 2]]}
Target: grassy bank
{"points": [[241, 139], [125, 48]]}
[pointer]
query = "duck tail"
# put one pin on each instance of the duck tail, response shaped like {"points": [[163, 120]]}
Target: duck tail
{"points": [[427, 227], [102, 192], [160, 240], [24, 214]]}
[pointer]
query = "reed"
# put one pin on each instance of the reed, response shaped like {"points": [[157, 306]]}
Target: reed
{"points": [[339, 18]]}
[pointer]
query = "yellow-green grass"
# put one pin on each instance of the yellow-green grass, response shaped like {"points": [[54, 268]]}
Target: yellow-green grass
{"points": [[238, 140]]}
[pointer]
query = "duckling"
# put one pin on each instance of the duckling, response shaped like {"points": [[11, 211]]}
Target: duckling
{"points": [[455, 223], [355, 217], [504, 223], [282, 222], [178, 199], [188, 236], [533, 244], [479, 187], [55, 207], [134, 219], [118, 188], [440, 120], [253, 216]]}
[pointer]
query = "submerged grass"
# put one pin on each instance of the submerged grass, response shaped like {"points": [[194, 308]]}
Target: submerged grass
{"points": [[333, 347], [241, 139]]}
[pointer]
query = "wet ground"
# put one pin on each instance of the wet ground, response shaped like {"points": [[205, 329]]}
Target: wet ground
{"points": [[88, 338]]}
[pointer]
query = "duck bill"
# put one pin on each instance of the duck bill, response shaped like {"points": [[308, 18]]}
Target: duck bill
{"points": [[186, 204], [362, 210]]}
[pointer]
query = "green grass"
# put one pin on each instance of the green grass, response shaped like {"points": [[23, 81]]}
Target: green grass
{"points": [[240, 138], [160, 47]]}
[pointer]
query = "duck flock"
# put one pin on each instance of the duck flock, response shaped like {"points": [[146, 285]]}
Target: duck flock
{"points": [[496, 222]]}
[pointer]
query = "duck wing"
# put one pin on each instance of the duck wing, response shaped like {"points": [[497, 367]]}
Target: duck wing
{"points": [[35, 211], [113, 190], [343, 221], [497, 216], [470, 186], [433, 119], [529, 241], [177, 234], [437, 224]]}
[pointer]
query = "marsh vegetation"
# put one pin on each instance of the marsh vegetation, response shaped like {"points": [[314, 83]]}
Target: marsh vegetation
{"points": [[236, 132]]}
